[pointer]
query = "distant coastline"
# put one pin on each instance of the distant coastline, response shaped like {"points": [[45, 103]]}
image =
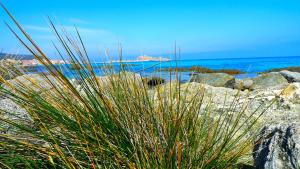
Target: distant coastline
{"points": [[25, 60], [16, 56], [247, 65], [29, 60]]}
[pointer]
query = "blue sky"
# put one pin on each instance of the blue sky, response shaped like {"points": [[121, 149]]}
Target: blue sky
{"points": [[211, 28]]}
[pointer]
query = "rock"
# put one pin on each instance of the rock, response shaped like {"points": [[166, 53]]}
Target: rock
{"points": [[290, 91], [214, 79], [247, 83], [153, 81], [214, 95], [243, 84], [10, 68], [284, 111], [131, 78], [284, 104], [290, 76], [296, 93], [238, 84], [12, 112], [269, 80], [35, 82], [276, 148]]}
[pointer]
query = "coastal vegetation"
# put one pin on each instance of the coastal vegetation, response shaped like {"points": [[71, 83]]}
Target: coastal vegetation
{"points": [[116, 121], [200, 69]]}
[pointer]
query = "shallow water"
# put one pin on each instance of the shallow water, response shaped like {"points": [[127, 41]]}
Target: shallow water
{"points": [[249, 65]]}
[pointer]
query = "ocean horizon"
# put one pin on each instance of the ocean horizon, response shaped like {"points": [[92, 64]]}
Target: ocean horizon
{"points": [[250, 66]]}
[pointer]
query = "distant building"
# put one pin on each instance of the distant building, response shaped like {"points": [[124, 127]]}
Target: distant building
{"points": [[57, 62], [35, 62], [32, 62]]}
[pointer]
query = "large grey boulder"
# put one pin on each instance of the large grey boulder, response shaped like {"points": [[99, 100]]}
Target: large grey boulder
{"points": [[219, 98], [291, 76], [269, 80], [243, 84], [276, 148], [283, 112], [214, 79]]}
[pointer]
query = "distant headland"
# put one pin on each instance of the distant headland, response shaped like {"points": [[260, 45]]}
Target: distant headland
{"points": [[145, 58], [151, 58]]}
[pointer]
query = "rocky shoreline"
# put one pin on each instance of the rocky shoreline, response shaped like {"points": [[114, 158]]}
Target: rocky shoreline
{"points": [[278, 145], [279, 142]]}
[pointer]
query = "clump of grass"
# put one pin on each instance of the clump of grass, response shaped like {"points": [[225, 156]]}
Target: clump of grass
{"points": [[118, 122], [199, 69]]}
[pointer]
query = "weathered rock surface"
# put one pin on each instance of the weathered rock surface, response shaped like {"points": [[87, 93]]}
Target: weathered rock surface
{"points": [[219, 95], [130, 77], [291, 76], [276, 148], [268, 80], [284, 105], [105, 82], [10, 68], [281, 136], [36, 82], [12, 112], [243, 84], [214, 79]]}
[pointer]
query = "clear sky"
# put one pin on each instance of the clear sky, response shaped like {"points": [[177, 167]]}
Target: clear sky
{"points": [[212, 28]]}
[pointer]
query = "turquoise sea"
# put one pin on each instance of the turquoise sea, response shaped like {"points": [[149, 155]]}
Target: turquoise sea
{"points": [[251, 66]]}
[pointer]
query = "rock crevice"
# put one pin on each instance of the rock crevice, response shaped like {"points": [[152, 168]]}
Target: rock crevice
{"points": [[276, 148]]}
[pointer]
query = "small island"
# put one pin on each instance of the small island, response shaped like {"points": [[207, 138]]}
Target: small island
{"points": [[144, 58], [151, 58]]}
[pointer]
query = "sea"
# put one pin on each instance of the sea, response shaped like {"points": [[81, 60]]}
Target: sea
{"points": [[251, 66]]}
